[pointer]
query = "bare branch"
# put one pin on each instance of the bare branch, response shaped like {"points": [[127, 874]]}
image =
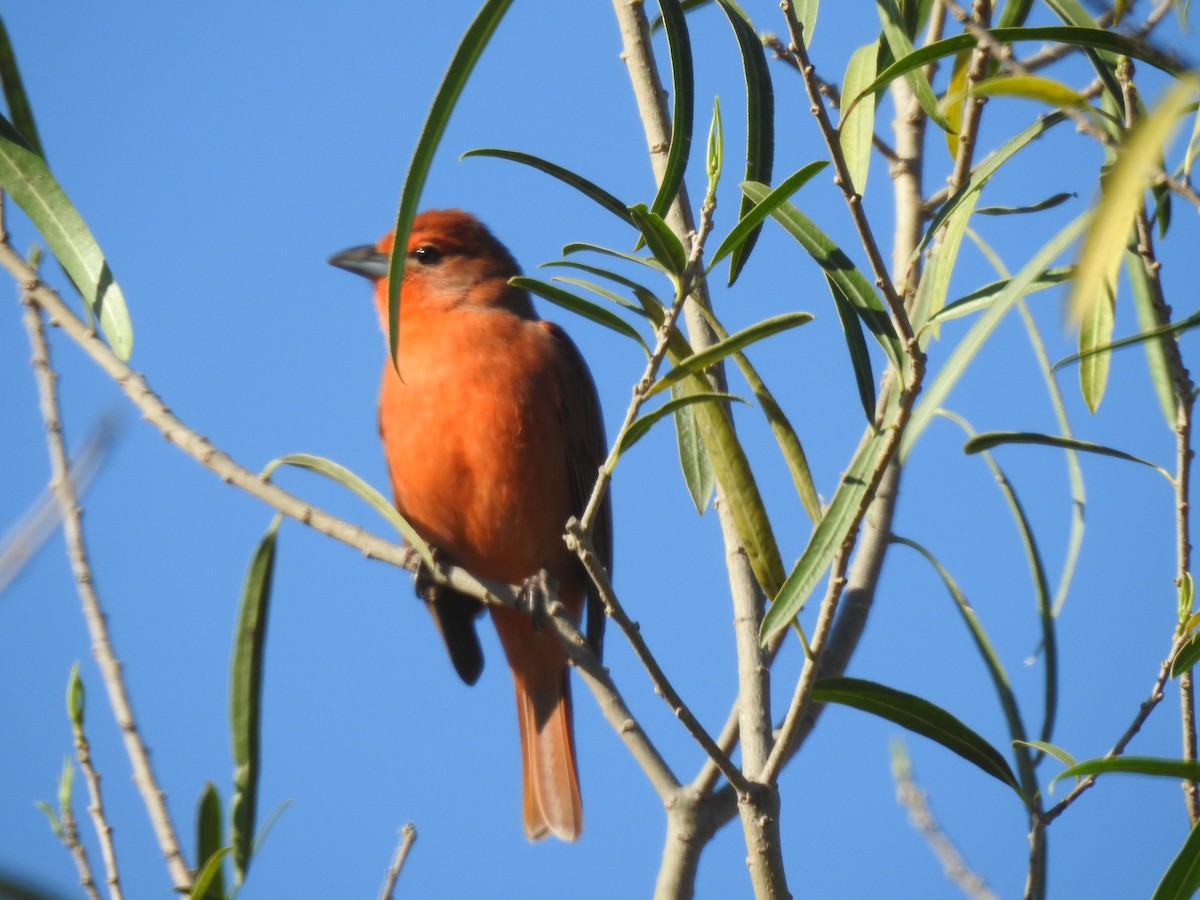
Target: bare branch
{"points": [[408, 834]]}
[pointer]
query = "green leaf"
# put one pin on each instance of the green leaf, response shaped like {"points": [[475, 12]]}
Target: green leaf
{"points": [[935, 282], [840, 270], [209, 880], [826, 538], [1031, 87], [75, 700], [693, 457], [19, 110], [1095, 332], [1141, 337], [1050, 750], [981, 298], [1182, 877], [856, 129], [660, 239], [348, 479], [589, 189], [1048, 203], [580, 246], [65, 780], [55, 825], [1185, 769], [576, 304], [698, 362], [1187, 656], [753, 213], [918, 716], [806, 15], [939, 388], [209, 842], [901, 46], [23, 173], [1014, 13], [603, 273], [469, 49], [1121, 196], [245, 698], [989, 439], [639, 426], [604, 292], [679, 49], [760, 121], [856, 343]]}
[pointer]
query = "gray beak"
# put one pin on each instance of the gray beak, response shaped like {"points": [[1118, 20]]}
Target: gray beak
{"points": [[365, 261]]}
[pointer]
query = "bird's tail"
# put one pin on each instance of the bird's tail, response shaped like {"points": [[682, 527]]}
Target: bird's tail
{"points": [[551, 783]]}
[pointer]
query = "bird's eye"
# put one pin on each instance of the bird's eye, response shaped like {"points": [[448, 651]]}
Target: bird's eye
{"points": [[426, 255]]}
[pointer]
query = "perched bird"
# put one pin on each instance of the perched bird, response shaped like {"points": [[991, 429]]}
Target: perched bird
{"points": [[493, 438]]}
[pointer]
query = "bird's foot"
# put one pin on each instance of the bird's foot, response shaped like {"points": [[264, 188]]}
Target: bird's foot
{"points": [[425, 582], [537, 592]]}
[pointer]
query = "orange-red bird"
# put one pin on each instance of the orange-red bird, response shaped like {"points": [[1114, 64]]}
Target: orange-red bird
{"points": [[493, 439]]}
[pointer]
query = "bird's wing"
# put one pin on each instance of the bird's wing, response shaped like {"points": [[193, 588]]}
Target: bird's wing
{"points": [[586, 448]]}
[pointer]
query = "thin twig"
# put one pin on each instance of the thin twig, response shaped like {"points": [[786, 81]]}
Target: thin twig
{"points": [[104, 831], [69, 835], [102, 649], [408, 834]]}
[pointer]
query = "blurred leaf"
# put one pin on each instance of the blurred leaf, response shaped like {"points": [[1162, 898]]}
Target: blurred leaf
{"points": [[466, 54], [935, 282], [840, 270], [826, 538], [643, 423], [1143, 291], [55, 825], [65, 780], [209, 843], [753, 214], [989, 439], [1185, 769], [1051, 750], [806, 15], [856, 344], [19, 110], [348, 479], [1121, 196], [1102, 59], [589, 189], [981, 298], [901, 46], [964, 351], [245, 698], [578, 305], [611, 296], [1095, 332], [715, 153], [760, 121], [209, 880], [1048, 203], [698, 362], [75, 699], [1031, 87], [693, 457], [953, 102], [1193, 146], [603, 273], [857, 126], [918, 716], [679, 49], [23, 173], [1186, 658], [1182, 877], [580, 246], [1014, 13], [1174, 328], [660, 239]]}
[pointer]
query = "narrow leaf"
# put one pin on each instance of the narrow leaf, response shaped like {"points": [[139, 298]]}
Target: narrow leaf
{"points": [[857, 126], [754, 214], [698, 362], [901, 46], [918, 716], [23, 173], [1048, 203], [469, 49], [245, 698], [1121, 195], [989, 439], [1031, 87], [856, 343], [1186, 658], [697, 471], [576, 304], [1095, 332], [981, 298], [760, 122], [1186, 769], [19, 110], [1143, 290], [589, 189], [209, 843], [580, 247], [1051, 750], [643, 423], [348, 479], [1182, 877], [660, 239], [679, 49], [208, 880]]}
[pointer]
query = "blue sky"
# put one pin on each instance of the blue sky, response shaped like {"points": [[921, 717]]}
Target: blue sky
{"points": [[220, 155]]}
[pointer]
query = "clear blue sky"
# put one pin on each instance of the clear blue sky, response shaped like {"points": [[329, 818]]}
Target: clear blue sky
{"points": [[220, 154]]}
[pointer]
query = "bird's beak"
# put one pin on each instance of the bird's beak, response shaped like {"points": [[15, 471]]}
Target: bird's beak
{"points": [[365, 261]]}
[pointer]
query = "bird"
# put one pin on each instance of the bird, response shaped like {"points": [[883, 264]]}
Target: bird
{"points": [[493, 438]]}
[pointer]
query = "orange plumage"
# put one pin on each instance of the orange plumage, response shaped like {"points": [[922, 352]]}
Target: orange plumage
{"points": [[493, 438]]}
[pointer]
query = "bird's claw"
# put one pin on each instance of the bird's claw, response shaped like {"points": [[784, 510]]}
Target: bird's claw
{"points": [[534, 597]]}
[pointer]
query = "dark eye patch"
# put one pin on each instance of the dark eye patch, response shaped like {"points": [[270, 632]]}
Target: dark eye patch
{"points": [[426, 255]]}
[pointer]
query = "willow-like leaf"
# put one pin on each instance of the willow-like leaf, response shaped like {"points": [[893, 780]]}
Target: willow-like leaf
{"points": [[580, 306], [856, 344], [609, 295], [698, 362], [920, 717], [760, 121], [348, 479], [1141, 337], [583, 247], [1187, 656], [981, 298], [856, 128], [469, 49], [1049, 203], [1095, 332], [208, 883], [901, 45], [752, 218], [694, 463], [1031, 87], [935, 282], [1123, 188], [15, 98], [1185, 769], [589, 189], [679, 48], [209, 842], [1182, 877], [989, 439], [245, 698], [643, 423], [660, 239], [601, 272]]}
